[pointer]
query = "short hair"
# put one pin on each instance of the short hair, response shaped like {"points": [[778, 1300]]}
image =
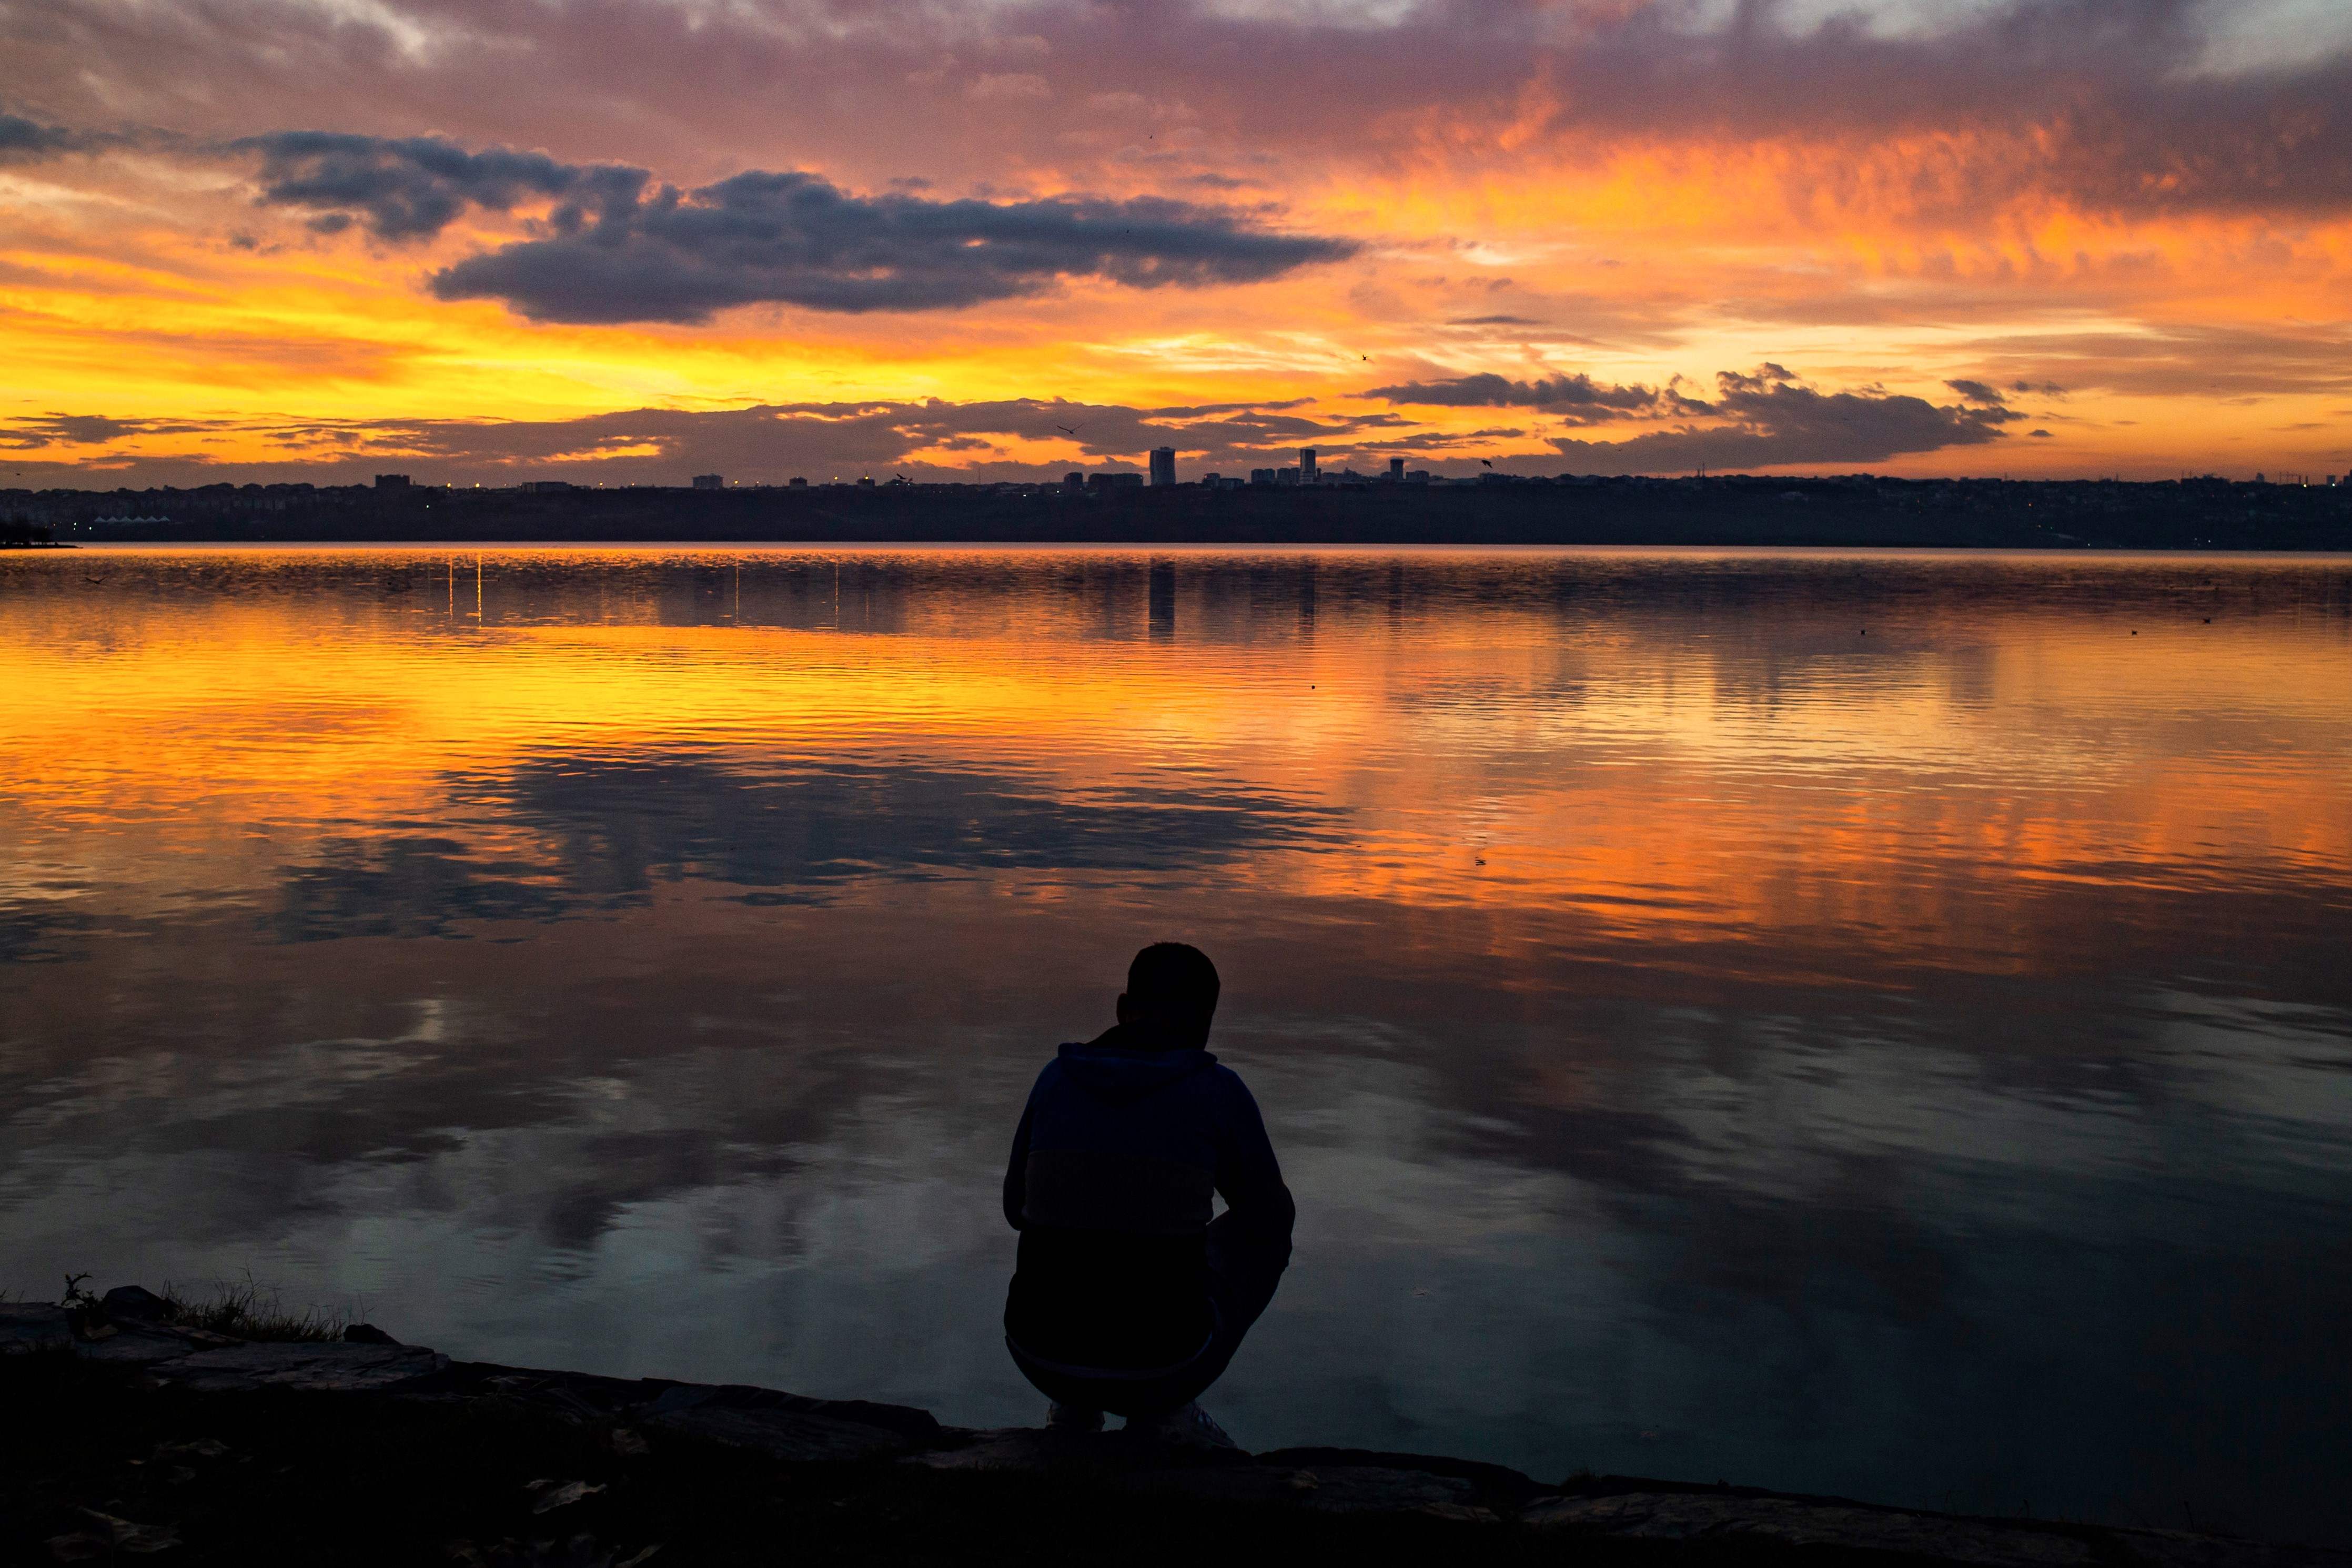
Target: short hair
{"points": [[1177, 981]]}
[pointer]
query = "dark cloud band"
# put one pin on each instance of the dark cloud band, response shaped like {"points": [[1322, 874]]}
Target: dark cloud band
{"points": [[1577, 398], [1765, 419], [1771, 420], [407, 187], [618, 248], [795, 239], [1762, 418], [22, 139]]}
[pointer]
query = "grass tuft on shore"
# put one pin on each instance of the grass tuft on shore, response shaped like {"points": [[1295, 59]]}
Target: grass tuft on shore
{"points": [[243, 1309]]}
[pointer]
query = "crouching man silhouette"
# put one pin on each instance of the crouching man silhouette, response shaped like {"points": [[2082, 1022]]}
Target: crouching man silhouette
{"points": [[1127, 1296]]}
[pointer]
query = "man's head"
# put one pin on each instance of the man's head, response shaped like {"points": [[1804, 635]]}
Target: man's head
{"points": [[1171, 992]]}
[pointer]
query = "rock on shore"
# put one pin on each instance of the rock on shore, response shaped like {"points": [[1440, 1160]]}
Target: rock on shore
{"points": [[132, 1333]]}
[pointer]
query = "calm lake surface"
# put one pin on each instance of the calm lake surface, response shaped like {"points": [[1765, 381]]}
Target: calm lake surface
{"points": [[1872, 1024]]}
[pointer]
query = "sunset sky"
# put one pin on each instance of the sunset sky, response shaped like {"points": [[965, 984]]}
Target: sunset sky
{"points": [[630, 240]]}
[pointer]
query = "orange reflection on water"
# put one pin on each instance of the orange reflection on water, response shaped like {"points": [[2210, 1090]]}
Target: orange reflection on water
{"points": [[1652, 770]]}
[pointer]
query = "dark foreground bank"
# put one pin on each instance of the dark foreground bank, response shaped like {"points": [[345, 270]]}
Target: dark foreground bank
{"points": [[134, 1432]]}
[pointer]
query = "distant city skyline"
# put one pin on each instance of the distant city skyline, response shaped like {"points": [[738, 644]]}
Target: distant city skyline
{"points": [[2035, 237]]}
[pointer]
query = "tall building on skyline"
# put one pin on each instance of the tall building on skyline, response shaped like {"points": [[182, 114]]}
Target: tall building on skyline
{"points": [[1163, 466], [1307, 465]]}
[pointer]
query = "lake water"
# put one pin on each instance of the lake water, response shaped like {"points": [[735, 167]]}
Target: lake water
{"points": [[1872, 1024]]}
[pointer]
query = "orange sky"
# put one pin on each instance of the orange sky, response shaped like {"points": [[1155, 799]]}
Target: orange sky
{"points": [[2134, 235]]}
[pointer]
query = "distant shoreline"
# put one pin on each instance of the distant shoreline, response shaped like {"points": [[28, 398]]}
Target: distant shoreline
{"points": [[1858, 512], [441, 548]]}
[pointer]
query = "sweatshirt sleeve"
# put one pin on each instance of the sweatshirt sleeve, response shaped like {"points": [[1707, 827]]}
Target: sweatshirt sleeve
{"points": [[1249, 1178], [1016, 1171]]}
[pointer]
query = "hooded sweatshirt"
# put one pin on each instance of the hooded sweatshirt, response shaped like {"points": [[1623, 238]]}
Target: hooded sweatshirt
{"points": [[1118, 1153]]}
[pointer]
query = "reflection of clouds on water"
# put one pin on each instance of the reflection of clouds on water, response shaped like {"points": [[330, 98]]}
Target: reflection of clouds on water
{"points": [[404, 885], [1755, 1227], [41, 908], [623, 823], [820, 1218], [610, 827], [33, 931], [2280, 1071], [1756, 1247], [1875, 1067]]}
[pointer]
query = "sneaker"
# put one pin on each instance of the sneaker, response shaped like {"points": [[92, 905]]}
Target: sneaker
{"points": [[1191, 1426], [1072, 1418]]}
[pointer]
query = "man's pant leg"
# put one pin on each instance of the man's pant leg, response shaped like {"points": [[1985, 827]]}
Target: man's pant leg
{"points": [[1243, 1276]]}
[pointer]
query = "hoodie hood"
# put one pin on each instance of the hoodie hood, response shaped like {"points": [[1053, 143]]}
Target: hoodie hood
{"points": [[1113, 1070]]}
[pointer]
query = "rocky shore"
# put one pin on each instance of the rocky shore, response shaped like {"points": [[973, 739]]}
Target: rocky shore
{"points": [[132, 1433]]}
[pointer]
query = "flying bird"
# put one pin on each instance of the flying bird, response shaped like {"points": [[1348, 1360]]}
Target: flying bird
{"points": [[1069, 429], [1486, 462]]}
